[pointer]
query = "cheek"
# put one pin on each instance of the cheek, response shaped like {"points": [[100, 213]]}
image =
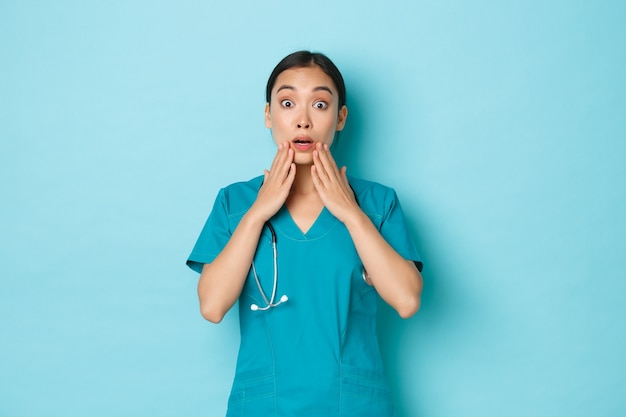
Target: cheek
{"points": [[280, 130], [280, 121], [330, 125], [279, 126]]}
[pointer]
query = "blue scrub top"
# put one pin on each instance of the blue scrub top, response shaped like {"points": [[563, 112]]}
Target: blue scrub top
{"points": [[316, 354]]}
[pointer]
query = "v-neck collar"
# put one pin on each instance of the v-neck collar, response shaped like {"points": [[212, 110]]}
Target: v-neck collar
{"points": [[284, 222]]}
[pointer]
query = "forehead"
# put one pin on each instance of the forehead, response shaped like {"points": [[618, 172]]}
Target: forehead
{"points": [[304, 78]]}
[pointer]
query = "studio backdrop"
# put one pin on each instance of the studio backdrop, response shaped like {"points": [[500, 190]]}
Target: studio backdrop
{"points": [[501, 125]]}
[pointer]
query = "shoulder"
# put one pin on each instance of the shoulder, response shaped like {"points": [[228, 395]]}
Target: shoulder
{"points": [[360, 185], [374, 198], [239, 196]]}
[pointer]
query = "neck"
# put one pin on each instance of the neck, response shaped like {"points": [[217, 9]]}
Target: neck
{"points": [[303, 183]]}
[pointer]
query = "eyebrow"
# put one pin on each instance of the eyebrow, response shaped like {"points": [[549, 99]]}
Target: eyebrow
{"points": [[290, 87]]}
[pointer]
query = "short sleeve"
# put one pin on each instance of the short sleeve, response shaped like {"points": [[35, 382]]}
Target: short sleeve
{"points": [[396, 232], [213, 237]]}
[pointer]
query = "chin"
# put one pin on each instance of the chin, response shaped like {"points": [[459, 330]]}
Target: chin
{"points": [[303, 159]]}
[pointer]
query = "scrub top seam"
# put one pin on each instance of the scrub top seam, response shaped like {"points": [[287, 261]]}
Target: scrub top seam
{"points": [[283, 234], [269, 337], [240, 213]]}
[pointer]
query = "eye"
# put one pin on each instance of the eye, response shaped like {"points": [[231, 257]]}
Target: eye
{"points": [[320, 105], [286, 103]]}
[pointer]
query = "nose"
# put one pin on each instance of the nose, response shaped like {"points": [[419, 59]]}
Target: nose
{"points": [[304, 122]]}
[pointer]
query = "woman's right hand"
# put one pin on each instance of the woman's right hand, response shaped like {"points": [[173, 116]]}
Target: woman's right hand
{"points": [[276, 184], [222, 280]]}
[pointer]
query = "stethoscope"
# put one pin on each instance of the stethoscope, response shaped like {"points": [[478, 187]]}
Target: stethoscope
{"points": [[269, 302]]}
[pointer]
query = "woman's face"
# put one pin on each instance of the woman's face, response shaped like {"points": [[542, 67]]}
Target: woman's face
{"points": [[304, 110]]}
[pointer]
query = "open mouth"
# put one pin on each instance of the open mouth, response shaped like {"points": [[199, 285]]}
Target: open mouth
{"points": [[303, 143]]}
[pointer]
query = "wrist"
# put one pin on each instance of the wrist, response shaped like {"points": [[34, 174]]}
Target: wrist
{"points": [[253, 218], [357, 220]]}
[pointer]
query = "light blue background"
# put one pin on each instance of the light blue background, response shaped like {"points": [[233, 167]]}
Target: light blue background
{"points": [[502, 125]]}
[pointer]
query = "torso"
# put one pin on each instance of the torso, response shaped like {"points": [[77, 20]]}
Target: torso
{"points": [[317, 353]]}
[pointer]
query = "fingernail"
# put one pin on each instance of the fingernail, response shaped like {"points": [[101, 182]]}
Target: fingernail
{"points": [[326, 146]]}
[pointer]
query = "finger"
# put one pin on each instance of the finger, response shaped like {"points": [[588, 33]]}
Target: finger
{"points": [[280, 153], [282, 163], [344, 180], [327, 162], [324, 169], [291, 175], [330, 157], [344, 173], [317, 182], [286, 167], [287, 157], [319, 171]]}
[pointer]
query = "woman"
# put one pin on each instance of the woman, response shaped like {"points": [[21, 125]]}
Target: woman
{"points": [[306, 250]]}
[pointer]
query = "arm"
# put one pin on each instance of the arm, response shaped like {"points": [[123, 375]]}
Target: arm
{"points": [[396, 279], [222, 280]]}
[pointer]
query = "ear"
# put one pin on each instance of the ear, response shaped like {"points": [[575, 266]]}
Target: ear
{"points": [[341, 120], [268, 118]]}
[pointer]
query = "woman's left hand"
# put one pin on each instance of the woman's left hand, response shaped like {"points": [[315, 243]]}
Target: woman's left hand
{"points": [[396, 279], [332, 184]]}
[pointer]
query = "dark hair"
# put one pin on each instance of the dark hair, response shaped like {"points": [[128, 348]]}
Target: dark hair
{"points": [[303, 59]]}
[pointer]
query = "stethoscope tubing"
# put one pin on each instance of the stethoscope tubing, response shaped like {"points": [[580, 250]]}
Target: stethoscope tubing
{"points": [[269, 303]]}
